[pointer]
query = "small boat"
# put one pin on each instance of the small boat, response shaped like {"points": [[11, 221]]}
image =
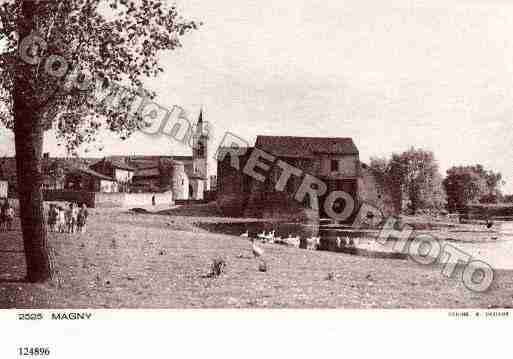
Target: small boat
{"points": [[245, 234]]}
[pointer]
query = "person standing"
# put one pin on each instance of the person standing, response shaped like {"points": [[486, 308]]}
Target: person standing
{"points": [[61, 220], [3, 215], [9, 215], [82, 218], [52, 217]]}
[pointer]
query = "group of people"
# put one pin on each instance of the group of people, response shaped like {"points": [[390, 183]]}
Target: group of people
{"points": [[70, 220], [6, 215]]}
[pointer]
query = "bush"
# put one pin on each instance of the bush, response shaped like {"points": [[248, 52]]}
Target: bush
{"points": [[217, 267]]}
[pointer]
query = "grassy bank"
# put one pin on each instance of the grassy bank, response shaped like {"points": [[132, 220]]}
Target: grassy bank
{"points": [[163, 260]]}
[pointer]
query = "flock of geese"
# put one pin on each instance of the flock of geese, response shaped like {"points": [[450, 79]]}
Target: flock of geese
{"points": [[270, 237]]}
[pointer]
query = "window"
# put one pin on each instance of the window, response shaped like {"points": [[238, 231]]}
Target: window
{"points": [[289, 187], [201, 149], [334, 166]]}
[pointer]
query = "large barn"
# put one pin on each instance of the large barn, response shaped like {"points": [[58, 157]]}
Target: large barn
{"points": [[334, 161]]}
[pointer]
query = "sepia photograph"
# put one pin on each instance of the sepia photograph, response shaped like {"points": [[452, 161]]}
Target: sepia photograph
{"points": [[255, 155], [249, 155]]}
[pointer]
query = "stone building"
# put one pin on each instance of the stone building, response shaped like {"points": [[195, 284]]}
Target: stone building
{"points": [[334, 162], [117, 170], [186, 176], [90, 181]]}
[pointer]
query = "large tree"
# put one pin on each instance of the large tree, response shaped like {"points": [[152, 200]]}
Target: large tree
{"points": [[413, 176], [62, 65], [508, 198], [471, 184]]}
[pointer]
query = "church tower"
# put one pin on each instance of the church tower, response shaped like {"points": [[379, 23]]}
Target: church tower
{"points": [[200, 152]]}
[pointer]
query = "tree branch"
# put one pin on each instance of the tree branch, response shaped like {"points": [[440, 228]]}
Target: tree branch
{"points": [[53, 96]]}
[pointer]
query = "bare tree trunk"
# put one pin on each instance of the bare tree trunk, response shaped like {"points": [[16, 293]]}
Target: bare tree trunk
{"points": [[28, 136]]}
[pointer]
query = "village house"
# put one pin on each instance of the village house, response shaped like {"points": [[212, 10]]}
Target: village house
{"points": [[147, 179], [83, 179], [53, 173], [186, 176], [334, 161], [117, 170]]}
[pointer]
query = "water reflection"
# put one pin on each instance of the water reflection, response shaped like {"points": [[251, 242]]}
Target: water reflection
{"points": [[495, 247]]}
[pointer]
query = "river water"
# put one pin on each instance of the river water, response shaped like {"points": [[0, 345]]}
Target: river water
{"points": [[493, 246]]}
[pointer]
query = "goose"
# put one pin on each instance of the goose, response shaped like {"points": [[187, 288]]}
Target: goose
{"points": [[270, 236], [276, 240], [257, 251], [313, 239], [343, 242], [489, 224], [293, 241], [262, 235]]}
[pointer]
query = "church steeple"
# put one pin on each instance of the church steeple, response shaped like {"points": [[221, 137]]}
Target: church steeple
{"points": [[199, 125], [200, 148], [200, 120]]}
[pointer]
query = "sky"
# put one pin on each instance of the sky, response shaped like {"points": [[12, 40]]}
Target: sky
{"points": [[431, 74]]}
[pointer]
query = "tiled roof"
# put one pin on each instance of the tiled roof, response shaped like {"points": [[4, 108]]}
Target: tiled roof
{"points": [[115, 163], [306, 147], [147, 172], [92, 173]]}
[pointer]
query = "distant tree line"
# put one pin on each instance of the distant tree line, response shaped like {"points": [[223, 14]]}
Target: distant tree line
{"points": [[414, 180]]}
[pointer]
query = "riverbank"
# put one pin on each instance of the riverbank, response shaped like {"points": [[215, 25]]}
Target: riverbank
{"points": [[150, 260]]}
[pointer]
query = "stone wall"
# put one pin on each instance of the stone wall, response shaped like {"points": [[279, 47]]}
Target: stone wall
{"points": [[372, 192], [486, 211], [107, 200], [264, 201], [240, 195], [210, 196], [232, 186], [139, 199], [70, 196], [198, 188]]}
